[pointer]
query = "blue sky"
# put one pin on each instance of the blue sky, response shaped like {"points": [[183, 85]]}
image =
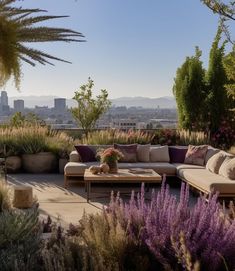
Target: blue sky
{"points": [[133, 47]]}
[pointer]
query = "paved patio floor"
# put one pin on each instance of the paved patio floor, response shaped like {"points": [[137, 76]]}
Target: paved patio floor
{"points": [[68, 205]]}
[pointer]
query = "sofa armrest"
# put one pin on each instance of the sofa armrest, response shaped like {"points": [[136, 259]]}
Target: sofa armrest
{"points": [[74, 157]]}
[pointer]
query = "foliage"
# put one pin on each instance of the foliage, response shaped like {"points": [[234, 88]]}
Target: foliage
{"points": [[166, 137], [19, 239], [226, 11], [216, 79], [224, 137], [31, 139], [110, 155], [30, 119], [89, 108], [163, 233], [60, 144], [189, 90], [17, 26], [194, 138], [229, 65], [207, 237], [205, 98], [108, 137], [5, 196]]}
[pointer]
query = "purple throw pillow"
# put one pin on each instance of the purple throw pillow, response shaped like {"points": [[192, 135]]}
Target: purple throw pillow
{"points": [[177, 154], [86, 153], [129, 152]]}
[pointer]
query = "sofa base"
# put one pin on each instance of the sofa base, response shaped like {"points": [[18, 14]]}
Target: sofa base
{"points": [[205, 192], [67, 178]]}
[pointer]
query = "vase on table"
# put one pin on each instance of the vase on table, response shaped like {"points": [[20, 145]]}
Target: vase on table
{"points": [[113, 167]]}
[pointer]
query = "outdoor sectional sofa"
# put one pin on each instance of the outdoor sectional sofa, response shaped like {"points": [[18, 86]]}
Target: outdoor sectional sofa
{"points": [[169, 162]]}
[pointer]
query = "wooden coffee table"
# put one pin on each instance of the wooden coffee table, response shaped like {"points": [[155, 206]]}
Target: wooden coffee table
{"points": [[123, 176]]}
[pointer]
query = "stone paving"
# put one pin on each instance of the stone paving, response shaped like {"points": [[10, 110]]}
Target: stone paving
{"points": [[68, 205]]}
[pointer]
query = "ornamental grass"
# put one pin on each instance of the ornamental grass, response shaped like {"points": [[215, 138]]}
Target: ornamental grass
{"points": [[34, 139], [108, 137]]}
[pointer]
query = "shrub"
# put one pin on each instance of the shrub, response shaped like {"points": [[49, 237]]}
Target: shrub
{"points": [[224, 137], [19, 240], [207, 236], [166, 137], [5, 196]]}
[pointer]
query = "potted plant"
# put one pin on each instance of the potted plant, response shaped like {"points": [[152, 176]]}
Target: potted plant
{"points": [[110, 156]]}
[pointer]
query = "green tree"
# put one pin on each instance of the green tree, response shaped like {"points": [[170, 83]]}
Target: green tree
{"points": [[89, 108], [17, 27], [216, 80], [226, 11], [229, 65], [19, 120], [189, 91]]}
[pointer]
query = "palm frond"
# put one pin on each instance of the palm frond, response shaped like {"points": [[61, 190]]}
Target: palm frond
{"points": [[17, 27]]}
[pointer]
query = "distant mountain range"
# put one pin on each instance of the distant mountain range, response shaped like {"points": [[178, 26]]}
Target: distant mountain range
{"points": [[162, 102]]}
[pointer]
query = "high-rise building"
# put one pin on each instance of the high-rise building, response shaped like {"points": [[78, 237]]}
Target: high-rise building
{"points": [[19, 105], [60, 104], [4, 98]]}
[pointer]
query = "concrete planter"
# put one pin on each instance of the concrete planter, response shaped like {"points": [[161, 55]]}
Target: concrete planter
{"points": [[13, 164], [62, 163], [43, 162]]}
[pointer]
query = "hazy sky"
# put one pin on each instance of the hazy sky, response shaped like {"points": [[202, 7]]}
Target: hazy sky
{"points": [[133, 47]]}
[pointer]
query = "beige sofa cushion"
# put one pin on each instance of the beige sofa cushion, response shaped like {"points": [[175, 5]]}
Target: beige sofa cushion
{"points": [[74, 157], [207, 181], [185, 166], [75, 168], [160, 167], [215, 162], [143, 152], [159, 154], [227, 168], [210, 152]]}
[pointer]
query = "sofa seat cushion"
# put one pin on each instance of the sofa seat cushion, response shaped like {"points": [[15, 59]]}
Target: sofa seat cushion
{"points": [[207, 181], [159, 167], [185, 166], [75, 168]]}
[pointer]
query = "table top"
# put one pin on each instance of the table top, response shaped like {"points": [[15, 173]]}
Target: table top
{"points": [[123, 175]]}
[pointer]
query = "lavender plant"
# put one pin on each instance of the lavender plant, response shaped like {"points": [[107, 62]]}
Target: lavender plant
{"points": [[209, 237]]}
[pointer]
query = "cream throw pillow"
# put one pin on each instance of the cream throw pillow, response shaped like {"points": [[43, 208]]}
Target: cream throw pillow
{"points": [[159, 154], [215, 162], [227, 169], [143, 152]]}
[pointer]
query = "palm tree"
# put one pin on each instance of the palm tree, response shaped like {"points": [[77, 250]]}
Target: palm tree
{"points": [[17, 28]]}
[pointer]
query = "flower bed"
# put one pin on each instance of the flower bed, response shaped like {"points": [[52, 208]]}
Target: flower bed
{"points": [[161, 234]]}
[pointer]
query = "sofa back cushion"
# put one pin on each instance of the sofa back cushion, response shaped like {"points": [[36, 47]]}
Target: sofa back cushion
{"points": [[143, 152], [177, 153], [196, 155], [86, 153], [215, 162], [227, 168], [129, 152], [210, 152], [159, 154]]}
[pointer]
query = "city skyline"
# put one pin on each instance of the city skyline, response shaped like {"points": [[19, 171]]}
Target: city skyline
{"points": [[132, 47]]}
